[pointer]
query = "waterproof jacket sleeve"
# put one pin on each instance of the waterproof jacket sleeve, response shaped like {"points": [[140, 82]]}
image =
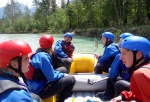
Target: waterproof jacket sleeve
{"points": [[110, 51], [115, 67], [58, 49], [43, 61]]}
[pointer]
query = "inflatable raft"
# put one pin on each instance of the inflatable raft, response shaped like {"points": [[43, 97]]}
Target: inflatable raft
{"points": [[87, 83]]}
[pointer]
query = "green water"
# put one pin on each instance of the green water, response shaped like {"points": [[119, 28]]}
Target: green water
{"points": [[82, 44]]}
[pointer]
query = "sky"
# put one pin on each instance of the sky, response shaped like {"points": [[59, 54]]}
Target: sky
{"points": [[26, 2]]}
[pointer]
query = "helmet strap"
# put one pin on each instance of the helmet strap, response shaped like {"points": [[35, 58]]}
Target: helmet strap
{"points": [[107, 42], [134, 67], [19, 71]]}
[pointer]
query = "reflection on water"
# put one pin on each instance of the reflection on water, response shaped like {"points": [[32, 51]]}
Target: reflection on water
{"points": [[82, 44]]}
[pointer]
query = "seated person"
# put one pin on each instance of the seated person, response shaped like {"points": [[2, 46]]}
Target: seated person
{"points": [[110, 52], [135, 52], [63, 51], [42, 78], [119, 76], [13, 63]]}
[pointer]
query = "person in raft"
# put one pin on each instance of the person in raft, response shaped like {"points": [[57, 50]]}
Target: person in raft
{"points": [[63, 52], [14, 62], [135, 51], [118, 76], [42, 78], [110, 52]]}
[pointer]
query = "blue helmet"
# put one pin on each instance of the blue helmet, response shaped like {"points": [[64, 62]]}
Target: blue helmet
{"points": [[108, 35], [137, 43], [69, 35], [124, 35]]}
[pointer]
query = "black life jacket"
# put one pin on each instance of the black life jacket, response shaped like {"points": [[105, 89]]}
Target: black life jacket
{"points": [[7, 85], [34, 73]]}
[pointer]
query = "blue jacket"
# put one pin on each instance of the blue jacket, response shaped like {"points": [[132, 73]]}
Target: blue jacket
{"points": [[110, 51], [115, 67], [43, 61], [119, 69], [59, 50], [15, 95]]}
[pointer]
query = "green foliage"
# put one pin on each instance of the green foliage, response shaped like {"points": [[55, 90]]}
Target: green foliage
{"points": [[35, 31], [9, 30], [88, 17], [57, 21]]}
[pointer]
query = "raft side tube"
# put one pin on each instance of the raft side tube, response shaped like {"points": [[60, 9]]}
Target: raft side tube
{"points": [[83, 85]]}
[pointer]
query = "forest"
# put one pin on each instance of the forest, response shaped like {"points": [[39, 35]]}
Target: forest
{"points": [[83, 17]]}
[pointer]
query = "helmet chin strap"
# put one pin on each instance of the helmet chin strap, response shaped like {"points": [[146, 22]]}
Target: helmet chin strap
{"points": [[19, 71], [107, 42], [134, 67]]}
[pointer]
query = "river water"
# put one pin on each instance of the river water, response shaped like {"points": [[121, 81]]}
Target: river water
{"points": [[82, 44]]}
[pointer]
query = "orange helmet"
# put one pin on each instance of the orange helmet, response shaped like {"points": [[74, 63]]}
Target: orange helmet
{"points": [[11, 49], [46, 41]]}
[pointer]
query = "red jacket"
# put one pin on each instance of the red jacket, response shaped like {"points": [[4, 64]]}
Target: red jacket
{"points": [[139, 85]]}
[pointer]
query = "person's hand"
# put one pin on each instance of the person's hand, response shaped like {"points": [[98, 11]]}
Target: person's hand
{"points": [[70, 59], [96, 55], [65, 74], [109, 69], [116, 99]]}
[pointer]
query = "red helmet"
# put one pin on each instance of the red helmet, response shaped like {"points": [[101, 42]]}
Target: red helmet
{"points": [[11, 49], [46, 41]]}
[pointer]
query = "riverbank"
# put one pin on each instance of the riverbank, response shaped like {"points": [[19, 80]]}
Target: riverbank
{"points": [[143, 30]]}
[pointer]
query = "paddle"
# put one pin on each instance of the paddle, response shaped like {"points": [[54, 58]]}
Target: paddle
{"points": [[96, 47], [96, 44], [93, 82]]}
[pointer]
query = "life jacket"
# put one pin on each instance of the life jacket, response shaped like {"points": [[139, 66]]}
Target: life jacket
{"points": [[67, 48], [7, 85], [34, 73]]}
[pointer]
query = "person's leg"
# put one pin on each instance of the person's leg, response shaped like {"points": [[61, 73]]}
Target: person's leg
{"points": [[120, 86], [56, 61], [66, 89], [66, 63], [61, 69], [63, 87], [109, 93], [35, 97], [100, 67], [113, 81]]}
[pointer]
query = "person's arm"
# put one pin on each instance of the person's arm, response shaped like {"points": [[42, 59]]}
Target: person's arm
{"points": [[110, 51], [115, 67], [58, 50], [44, 62], [72, 50]]}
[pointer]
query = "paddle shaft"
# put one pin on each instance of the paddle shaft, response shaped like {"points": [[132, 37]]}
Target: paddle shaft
{"points": [[93, 82], [96, 47]]}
